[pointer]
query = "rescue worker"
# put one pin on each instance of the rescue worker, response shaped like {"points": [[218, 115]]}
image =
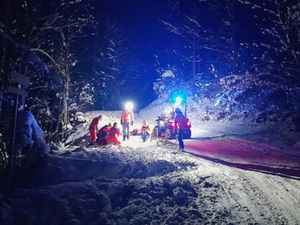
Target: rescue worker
{"points": [[181, 126], [93, 129], [126, 117], [145, 131], [102, 134], [113, 135]]}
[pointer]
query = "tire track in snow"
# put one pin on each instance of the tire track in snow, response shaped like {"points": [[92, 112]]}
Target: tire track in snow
{"points": [[256, 197]]}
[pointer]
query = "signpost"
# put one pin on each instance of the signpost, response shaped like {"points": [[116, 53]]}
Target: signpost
{"points": [[20, 81]]}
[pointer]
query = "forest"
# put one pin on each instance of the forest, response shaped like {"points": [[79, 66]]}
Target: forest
{"points": [[237, 59]]}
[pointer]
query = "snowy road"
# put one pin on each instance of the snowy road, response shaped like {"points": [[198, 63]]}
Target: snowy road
{"points": [[247, 155], [220, 180], [266, 194], [230, 195], [260, 198], [149, 183]]}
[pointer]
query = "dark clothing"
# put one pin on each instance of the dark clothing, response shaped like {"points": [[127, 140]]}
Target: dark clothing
{"points": [[125, 130], [145, 132], [102, 141], [102, 135], [181, 122], [181, 126], [103, 132], [145, 136], [180, 138]]}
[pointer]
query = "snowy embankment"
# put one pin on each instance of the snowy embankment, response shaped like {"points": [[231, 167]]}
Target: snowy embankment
{"points": [[146, 183]]}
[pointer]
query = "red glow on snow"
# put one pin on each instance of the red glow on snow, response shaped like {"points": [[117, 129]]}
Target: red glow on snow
{"points": [[242, 151]]}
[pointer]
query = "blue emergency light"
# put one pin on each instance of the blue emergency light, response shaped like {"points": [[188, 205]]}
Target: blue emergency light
{"points": [[178, 100]]}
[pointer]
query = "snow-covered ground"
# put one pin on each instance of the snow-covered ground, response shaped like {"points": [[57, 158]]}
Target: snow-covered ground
{"points": [[153, 183]]}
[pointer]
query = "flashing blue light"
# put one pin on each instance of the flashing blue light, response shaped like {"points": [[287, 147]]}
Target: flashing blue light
{"points": [[178, 99]]}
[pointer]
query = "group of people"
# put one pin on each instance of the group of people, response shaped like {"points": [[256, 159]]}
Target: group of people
{"points": [[110, 134], [107, 134]]}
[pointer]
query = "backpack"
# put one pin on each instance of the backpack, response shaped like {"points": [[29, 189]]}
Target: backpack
{"points": [[135, 132]]}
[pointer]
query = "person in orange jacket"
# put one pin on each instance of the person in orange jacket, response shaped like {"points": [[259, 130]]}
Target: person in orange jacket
{"points": [[113, 135], [93, 129], [181, 126], [126, 117], [145, 131]]}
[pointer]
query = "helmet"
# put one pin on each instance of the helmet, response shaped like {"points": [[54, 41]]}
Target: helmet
{"points": [[178, 111]]}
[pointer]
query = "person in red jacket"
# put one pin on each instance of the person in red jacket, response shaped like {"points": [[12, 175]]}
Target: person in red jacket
{"points": [[102, 134], [94, 128], [113, 135], [126, 118], [181, 126]]}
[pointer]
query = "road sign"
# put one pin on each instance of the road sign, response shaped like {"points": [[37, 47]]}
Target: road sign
{"points": [[17, 91], [20, 79]]}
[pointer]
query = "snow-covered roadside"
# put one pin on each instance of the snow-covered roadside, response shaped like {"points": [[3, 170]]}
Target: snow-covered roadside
{"points": [[146, 183], [150, 183]]}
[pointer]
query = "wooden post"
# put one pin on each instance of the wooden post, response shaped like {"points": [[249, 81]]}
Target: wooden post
{"points": [[20, 81], [12, 146]]}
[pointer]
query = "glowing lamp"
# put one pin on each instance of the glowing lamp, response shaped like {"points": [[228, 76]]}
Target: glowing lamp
{"points": [[178, 100], [129, 106]]}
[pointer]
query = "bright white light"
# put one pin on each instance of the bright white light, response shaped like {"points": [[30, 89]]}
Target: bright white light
{"points": [[179, 100], [129, 106]]}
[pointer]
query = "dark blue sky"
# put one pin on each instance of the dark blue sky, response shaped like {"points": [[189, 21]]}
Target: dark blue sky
{"points": [[141, 22]]}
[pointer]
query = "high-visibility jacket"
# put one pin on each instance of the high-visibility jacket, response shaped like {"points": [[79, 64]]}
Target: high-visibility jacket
{"points": [[113, 135], [181, 122], [145, 129], [94, 123], [127, 116]]}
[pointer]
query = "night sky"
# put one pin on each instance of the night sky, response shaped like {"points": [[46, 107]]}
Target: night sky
{"points": [[230, 37], [141, 22]]}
